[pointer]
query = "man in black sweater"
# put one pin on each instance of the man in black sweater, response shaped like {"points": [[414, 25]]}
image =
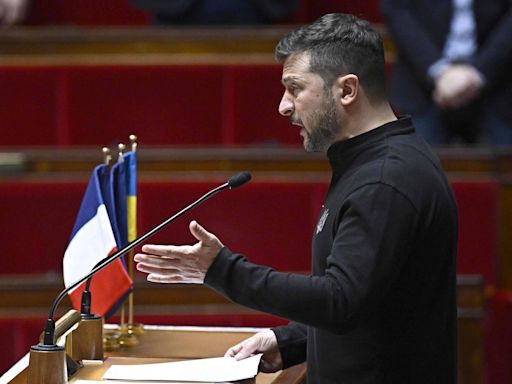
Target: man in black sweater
{"points": [[379, 306]]}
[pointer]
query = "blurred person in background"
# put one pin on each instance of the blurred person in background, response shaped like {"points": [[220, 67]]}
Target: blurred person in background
{"points": [[12, 11], [452, 68]]}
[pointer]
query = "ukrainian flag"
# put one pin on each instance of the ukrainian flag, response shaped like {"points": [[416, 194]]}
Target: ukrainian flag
{"points": [[130, 163]]}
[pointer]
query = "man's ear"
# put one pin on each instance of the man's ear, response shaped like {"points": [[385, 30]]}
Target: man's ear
{"points": [[347, 88]]}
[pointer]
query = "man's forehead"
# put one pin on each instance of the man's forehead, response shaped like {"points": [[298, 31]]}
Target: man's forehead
{"points": [[295, 67], [297, 59]]}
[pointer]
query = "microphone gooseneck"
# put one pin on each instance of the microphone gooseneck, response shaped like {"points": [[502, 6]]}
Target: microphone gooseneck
{"points": [[49, 332]]}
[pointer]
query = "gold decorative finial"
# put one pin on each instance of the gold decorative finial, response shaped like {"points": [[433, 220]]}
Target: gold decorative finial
{"points": [[133, 141], [106, 155], [121, 147]]}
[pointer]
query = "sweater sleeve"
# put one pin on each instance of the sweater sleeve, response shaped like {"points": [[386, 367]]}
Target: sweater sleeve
{"points": [[292, 341], [369, 247]]}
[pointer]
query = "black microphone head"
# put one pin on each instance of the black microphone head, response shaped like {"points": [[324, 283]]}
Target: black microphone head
{"points": [[239, 179]]}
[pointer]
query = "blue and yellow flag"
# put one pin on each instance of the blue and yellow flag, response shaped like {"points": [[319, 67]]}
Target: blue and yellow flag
{"points": [[130, 163]]}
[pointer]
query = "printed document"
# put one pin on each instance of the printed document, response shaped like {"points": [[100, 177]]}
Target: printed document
{"points": [[212, 370]]}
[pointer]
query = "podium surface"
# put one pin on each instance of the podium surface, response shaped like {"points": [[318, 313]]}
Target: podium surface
{"points": [[167, 343]]}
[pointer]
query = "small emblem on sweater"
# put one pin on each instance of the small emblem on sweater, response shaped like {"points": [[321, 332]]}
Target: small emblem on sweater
{"points": [[322, 220]]}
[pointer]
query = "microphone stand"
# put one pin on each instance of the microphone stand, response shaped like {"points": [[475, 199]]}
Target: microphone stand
{"points": [[86, 342], [47, 359]]}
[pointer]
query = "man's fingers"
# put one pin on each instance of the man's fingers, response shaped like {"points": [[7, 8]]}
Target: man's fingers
{"points": [[165, 250], [153, 269], [240, 351], [200, 233], [231, 352], [245, 349], [156, 261], [159, 278], [244, 354]]}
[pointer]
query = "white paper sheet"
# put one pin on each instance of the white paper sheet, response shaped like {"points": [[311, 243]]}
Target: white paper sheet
{"points": [[213, 370]]}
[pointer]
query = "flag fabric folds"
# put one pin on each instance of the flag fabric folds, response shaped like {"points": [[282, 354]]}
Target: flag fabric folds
{"points": [[118, 195], [109, 198], [130, 162], [123, 191], [93, 238]]}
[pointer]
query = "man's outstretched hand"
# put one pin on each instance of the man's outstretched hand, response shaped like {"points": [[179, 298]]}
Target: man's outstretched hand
{"points": [[180, 264]]}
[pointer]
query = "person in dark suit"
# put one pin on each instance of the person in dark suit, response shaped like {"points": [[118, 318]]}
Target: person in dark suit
{"points": [[452, 69], [215, 12]]}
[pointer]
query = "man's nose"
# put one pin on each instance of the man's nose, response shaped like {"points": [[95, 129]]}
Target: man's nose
{"points": [[286, 106]]}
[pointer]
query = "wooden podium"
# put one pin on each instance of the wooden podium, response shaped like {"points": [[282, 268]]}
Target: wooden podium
{"points": [[167, 343]]}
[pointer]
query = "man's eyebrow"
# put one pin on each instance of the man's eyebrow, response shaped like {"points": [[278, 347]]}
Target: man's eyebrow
{"points": [[289, 79]]}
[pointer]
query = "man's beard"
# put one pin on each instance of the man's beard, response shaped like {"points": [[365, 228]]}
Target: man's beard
{"points": [[325, 125]]}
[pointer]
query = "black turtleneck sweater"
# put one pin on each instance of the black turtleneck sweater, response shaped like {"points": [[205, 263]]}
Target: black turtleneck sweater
{"points": [[380, 305]]}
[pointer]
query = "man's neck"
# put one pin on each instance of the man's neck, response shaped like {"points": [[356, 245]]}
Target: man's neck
{"points": [[362, 120]]}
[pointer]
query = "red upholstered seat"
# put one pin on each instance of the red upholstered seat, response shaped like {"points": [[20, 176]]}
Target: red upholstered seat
{"points": [[31, 106], [253, 93], [477, 203], [198, 105], [168, 105], [498, 343], [87, 13], [36, 220]]}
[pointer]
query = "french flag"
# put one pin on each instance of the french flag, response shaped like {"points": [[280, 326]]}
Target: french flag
{"points": [[92, 240]]}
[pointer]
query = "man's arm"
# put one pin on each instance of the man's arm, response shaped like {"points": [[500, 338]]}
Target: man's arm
{"points": [[370, 245], [292, 342]]}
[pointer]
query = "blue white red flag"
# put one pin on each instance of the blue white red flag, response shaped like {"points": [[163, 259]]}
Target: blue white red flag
{"points": [[93, 239]]}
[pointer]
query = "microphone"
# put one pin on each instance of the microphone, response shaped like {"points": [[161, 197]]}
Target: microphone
{"points": [[49, 332], [239, 179]]}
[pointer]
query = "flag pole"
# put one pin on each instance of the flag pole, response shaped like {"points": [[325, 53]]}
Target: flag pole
{"points": [[122, 323], [130, 331], [106, 155], [127, 338], [136, 328]]}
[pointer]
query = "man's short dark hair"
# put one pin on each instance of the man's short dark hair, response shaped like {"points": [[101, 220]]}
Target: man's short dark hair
{"points": [[339, 44]]}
